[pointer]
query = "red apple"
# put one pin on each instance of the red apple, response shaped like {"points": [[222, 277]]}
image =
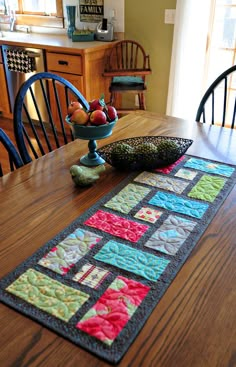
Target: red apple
{"points": [[74, 105], [98, 117], [79, 117], [111, 113], [96, 104]]}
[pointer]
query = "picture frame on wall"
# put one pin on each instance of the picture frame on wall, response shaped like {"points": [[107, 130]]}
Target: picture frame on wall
{"points": [[91, 11]]}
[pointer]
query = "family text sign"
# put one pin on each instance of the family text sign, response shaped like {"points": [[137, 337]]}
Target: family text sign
{"points": [[91, 10]]}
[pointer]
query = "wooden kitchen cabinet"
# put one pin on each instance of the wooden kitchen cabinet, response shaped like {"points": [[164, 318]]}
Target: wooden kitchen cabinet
{"points": [[82, 63], [84, 70], [68, 67], [4, 100], [73, 79]]}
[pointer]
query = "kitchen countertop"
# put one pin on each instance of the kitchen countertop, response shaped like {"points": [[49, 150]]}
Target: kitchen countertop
{"points": [[50, 42]]}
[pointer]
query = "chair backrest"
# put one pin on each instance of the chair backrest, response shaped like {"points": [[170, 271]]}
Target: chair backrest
{"points": [[8, 154], [39, 114], [218, 105], [126, 58]]}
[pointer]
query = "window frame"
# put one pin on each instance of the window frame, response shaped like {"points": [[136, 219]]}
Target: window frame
{"points": [[38, 19]]}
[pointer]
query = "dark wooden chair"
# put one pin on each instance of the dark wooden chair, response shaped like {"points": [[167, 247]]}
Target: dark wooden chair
{"points": [[39, 114], [218, 105], [8, 154], [127, 66]]}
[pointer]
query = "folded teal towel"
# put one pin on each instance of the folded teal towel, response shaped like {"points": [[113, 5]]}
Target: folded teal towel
{"points": [[127, 79]]}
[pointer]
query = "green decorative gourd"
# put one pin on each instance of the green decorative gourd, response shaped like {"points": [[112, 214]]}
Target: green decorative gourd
{"points": [[121, 152], [167, 149]]}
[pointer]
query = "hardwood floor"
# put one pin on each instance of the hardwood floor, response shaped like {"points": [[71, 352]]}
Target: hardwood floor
{"points": [[7, 126]]}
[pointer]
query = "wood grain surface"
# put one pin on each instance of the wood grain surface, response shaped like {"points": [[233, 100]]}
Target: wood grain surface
{"points": [[194, 324]]}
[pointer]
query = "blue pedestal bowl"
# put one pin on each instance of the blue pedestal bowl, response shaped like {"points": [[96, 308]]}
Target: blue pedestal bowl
{"points": [[91, 133]]}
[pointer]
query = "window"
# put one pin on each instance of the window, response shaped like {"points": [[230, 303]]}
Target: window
{"points": [[204, 45], [221, 53], [222, 39], [34, 6], [47, 13]]}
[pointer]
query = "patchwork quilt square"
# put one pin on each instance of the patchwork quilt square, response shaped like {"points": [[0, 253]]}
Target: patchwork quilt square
{"points": [[136, 261], [91, 275], [106, 319], [171, 235], [117, 226], [186, 174], [207, 188], [179, 205], [162, 182], [148, 214], [48, 294], [67, 253], [210, 167], [127, 198]]}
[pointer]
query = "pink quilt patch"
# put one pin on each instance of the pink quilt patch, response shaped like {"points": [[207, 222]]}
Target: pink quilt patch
{"points": [[117, 226], [166, 170], [113, 310]]}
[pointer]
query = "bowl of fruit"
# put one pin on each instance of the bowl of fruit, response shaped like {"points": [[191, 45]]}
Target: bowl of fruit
{"points": [[91, 124], [95, 123]]}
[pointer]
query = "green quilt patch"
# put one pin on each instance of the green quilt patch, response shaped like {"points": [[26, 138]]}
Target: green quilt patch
{"points": [[127, 198], [207, 188], [48, 294]]}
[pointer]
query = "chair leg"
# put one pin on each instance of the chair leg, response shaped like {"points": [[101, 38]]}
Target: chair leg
{"points": [[112, 99], [141, 99]]}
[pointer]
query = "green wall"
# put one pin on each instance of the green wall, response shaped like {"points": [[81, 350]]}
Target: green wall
{"points": [[144, 22]]}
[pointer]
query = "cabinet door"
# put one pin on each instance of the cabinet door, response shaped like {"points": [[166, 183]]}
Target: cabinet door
{"points": [[77, 81], [4, 100]]}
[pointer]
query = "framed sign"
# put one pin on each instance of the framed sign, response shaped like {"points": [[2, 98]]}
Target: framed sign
{"points": [[91, 11]]}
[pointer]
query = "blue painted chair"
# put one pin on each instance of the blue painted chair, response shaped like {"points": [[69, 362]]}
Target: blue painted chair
{"points": [[10, 153], [39, 114], [127, 66], [218, 104]]}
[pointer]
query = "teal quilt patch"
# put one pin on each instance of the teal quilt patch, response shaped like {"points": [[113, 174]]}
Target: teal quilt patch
{"points": [[179, 205], [210, 167], [138, 262]]}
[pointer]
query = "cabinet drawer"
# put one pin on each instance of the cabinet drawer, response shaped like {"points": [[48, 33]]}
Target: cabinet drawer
{"points": [[65, 63]]}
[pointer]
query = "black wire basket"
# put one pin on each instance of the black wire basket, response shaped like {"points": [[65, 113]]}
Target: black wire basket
{"points": [[168, 150]]}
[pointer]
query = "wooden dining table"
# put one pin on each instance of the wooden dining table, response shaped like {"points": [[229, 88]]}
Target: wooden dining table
{"points": [[194, 323]]}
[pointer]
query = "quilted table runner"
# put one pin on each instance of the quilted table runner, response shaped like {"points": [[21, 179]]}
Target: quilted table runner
{"points": [[97, 281]]}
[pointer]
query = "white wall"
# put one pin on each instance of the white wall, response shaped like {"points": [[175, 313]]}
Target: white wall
{"points": [[110, 7]]}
